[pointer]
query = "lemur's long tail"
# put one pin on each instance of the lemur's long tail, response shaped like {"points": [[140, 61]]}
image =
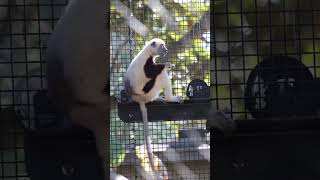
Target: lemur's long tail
{"points": [[147, 138]]}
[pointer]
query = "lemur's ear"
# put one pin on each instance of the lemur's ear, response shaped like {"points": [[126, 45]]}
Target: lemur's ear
{"points": [[153, 44]]}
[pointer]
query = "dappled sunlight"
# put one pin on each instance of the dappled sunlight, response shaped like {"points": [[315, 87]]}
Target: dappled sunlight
{"points": [[184, 26], [131, 21]]}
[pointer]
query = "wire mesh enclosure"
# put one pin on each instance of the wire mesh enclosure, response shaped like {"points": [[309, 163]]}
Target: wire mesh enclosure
{"points": [[265, 57], [260, 58], [263, 63], [25, 26], [185, 27]]}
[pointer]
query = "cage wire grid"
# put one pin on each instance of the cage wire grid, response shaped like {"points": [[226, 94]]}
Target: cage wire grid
{"points": [[25, 26], [243, 33], [185, 29], [246, 32]]}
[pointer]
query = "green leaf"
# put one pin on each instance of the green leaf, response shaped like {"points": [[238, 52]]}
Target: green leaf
{"points": [[174, 36]]}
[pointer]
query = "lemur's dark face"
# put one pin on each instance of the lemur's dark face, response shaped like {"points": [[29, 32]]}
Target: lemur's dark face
{"points": [[159, 47], [163, 50]]}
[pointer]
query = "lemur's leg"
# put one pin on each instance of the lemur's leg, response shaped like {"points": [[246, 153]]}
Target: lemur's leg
{"points": [[167, 85]]}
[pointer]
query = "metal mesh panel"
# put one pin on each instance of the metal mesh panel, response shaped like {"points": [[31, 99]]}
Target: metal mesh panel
{"points": [[263, 51], [184, 26], [244, 33], [25, 26], [185, 29]]}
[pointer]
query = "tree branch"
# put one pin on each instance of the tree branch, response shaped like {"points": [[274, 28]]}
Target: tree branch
{"points": [[192, 34]]}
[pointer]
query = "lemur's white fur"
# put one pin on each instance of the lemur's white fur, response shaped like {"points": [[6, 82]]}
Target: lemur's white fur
{"points": [[136, 75], [76, 69], [136, 79]]}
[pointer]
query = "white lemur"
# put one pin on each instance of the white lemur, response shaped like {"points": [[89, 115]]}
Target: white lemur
{"points": [[77, 72], [144, 79]]}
